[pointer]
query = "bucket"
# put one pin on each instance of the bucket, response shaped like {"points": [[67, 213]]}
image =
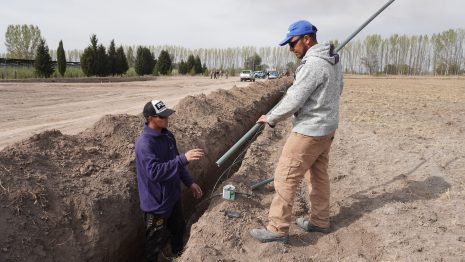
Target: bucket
{"points": [[229, 192]]}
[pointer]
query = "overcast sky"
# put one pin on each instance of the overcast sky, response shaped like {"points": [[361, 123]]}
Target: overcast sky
{"points": [[220, 23]]}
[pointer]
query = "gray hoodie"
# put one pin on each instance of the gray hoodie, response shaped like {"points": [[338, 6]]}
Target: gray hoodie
{"points": [[313, 98]]}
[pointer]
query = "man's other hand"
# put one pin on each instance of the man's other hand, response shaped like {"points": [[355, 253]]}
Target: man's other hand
{"points": [[196, 191], [194, 154]]}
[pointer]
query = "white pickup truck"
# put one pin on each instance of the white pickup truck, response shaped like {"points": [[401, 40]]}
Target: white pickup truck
{"points": [[247, 75]]}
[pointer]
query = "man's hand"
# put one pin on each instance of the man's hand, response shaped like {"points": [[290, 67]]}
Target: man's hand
{"points": [[196, 191], [262, 119], [194, 154]]}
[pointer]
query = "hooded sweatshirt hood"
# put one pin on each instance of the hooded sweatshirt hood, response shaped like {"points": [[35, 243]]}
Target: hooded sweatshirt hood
{"points": [[324, 51]]}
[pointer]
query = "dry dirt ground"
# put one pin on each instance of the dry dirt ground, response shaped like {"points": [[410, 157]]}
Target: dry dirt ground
{"points": [[397, 171], [74, 197], [397, 167], [30, 108]]}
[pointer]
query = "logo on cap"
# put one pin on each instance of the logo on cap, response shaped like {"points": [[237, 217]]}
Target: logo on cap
{"points": [[159, 106]]}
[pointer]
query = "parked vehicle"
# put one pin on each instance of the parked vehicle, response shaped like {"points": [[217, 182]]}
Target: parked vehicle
{"points": [[247, 75], [273, 75], [259, 74]]}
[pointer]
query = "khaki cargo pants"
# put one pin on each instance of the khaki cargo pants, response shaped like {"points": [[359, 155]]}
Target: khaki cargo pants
{"points": [[301, 154]]}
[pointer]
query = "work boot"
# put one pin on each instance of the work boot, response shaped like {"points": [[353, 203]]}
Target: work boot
{"points": [[309, 227], [263, 235]]}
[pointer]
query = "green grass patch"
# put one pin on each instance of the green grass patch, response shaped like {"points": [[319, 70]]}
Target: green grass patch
{"points": [[17, 72], [26, 72]]}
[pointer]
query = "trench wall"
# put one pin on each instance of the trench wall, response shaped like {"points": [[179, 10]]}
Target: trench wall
{"points": [[74, 197]]}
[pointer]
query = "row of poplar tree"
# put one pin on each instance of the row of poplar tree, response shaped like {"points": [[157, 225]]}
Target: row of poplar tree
{"points": [[441, 54]]}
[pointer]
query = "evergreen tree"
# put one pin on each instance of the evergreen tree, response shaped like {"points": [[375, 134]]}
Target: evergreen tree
{"points": [[121, 61], [145, 61], [130, 57], [190, 63], [198, 65], [89, 58], [61, 59], [43, 62], [164, 64], [101, 61], [183, 68], [112, 59]]}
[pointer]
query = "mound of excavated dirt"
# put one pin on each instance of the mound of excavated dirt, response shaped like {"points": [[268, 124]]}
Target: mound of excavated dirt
{"points": [[75, 197], [396, 170]]}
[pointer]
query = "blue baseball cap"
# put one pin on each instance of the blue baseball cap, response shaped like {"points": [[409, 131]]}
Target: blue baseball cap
{"points": [[301, 27]]}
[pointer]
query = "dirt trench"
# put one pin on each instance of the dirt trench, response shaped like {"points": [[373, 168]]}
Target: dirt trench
{"points": [[74, 197]]}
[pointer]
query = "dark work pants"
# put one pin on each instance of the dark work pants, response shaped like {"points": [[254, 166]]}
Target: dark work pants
{"points": [[158, 229]]}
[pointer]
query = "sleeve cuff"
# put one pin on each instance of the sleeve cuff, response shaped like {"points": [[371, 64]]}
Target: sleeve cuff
{"points": [[183, 159], [271, 120], [187, 179]]}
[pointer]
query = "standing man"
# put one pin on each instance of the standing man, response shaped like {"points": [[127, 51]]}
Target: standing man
{"points": [[313, 100], [160, 170]]}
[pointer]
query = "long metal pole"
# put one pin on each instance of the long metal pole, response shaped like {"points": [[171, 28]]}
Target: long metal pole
{"points": [[257, 126], [363, 25]]}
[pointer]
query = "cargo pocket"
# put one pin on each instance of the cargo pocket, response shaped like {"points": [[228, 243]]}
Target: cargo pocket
{"points": [[289, 169]]}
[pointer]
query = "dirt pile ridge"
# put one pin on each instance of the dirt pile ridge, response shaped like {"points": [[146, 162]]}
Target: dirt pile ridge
{"points": [[396, 170], [74, 197]]}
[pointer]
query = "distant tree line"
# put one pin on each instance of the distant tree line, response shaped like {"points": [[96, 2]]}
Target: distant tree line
{"points": [[224, 58], [439, 54]]}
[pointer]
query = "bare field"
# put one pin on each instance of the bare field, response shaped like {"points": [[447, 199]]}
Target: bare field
{"points": [[397, 177], [30, 108], [396, 169]]}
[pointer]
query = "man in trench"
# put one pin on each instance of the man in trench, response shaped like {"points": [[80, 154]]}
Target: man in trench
{"points": [[313, 101], [160, 171]]}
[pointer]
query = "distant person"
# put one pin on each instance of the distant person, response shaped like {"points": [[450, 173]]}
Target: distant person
{"points": [[227, 74], [313, 101], [160, 169], [211, 74]]}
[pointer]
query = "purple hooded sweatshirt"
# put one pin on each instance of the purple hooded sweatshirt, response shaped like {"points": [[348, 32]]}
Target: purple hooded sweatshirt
{"points": [[160, 169]]}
